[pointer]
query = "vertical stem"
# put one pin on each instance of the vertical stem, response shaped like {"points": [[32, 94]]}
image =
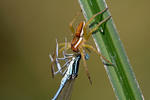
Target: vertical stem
{"points": [[108, 43]]}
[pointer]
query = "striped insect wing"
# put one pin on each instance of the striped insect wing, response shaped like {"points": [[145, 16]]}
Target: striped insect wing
{"points": [[67, 90]]}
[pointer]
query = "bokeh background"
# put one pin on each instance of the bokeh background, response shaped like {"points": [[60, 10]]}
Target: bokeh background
{"points": [[28, 29]]}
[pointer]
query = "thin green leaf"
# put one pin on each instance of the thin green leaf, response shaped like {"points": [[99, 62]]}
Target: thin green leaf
{"points": [[108, 43]]}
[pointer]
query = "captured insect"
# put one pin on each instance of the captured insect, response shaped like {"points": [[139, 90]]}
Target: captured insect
{"points": [[70, 73], [81, 36]]}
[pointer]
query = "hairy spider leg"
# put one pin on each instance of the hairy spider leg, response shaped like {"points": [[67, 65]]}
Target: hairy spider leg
{"points": [[63, 46], [84, 64], [89, 21], [72, 22], [97, 26], [99, 13], [92, 48]]}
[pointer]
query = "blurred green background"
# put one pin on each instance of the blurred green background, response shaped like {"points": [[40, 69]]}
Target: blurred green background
{"points": [[28, 29]]}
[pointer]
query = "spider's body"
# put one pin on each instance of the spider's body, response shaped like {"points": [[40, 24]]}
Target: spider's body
{"points": [[78, 37]]}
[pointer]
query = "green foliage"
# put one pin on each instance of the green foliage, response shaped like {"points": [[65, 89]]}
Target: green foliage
{"points": [[108, 43]]}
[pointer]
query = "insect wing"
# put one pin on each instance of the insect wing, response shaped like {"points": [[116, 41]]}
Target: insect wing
{"points": [[66, 92]]}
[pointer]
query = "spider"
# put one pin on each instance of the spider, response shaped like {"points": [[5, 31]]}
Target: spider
{"points": [[80, 36]]}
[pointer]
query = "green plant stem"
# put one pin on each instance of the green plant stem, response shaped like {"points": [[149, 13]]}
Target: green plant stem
{"points": [[108, 43]]}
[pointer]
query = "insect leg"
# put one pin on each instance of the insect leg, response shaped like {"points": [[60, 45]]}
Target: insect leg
{"points": [[54, 59], [52, 66]]}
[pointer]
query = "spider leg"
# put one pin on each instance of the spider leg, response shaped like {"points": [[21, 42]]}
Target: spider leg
{"points": [[72, 22], [64, 52], [63, 44], [92, 48], [90, 20], [63, 48], [85, 65], [98, 25], [66, 56]]}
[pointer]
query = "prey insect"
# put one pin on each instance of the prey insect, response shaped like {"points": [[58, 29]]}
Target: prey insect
{"points": [[81, 36], [69, 75]]}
